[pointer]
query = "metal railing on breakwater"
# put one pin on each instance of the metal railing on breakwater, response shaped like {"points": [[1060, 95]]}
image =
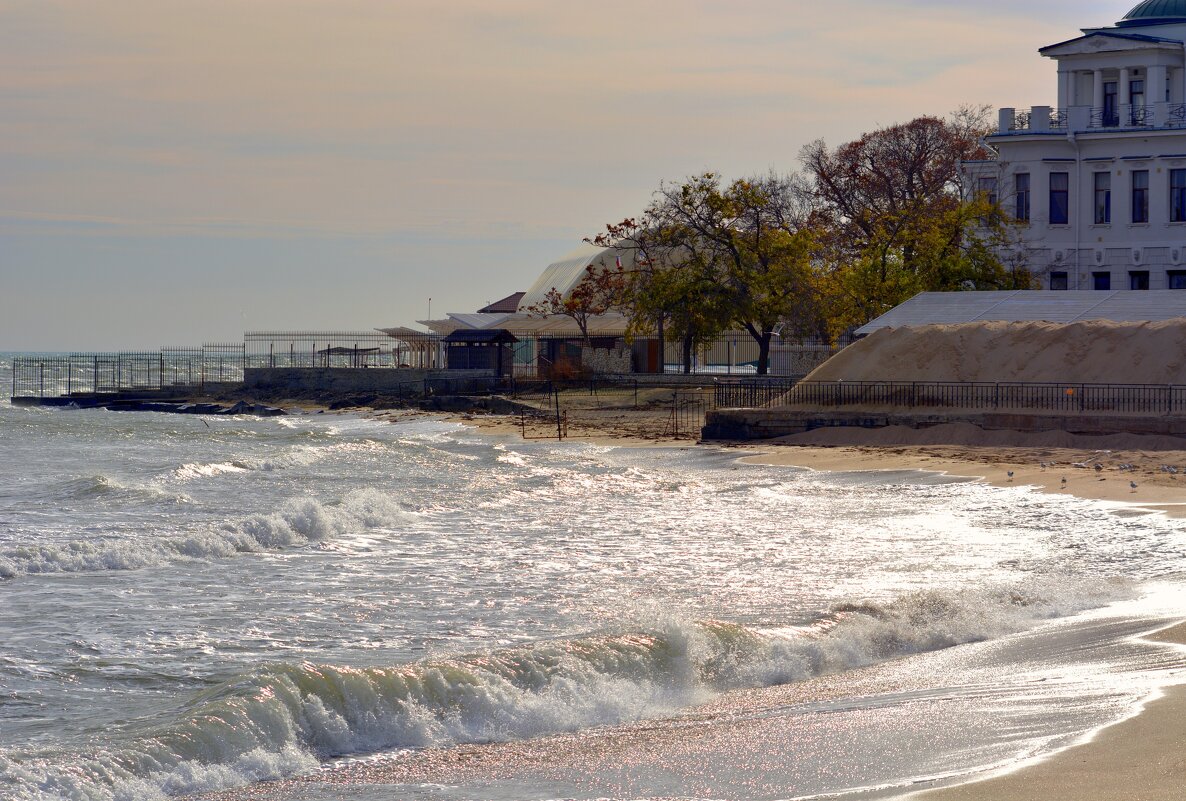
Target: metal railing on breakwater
{"points": [[1020, 396], [78, 374]]}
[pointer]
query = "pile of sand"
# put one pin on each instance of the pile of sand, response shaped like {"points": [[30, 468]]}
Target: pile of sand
{"points": [[1092, 352]]}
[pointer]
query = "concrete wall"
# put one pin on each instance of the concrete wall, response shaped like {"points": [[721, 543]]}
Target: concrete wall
{"points": [[744, 424], [346, 379], [600, 361]]}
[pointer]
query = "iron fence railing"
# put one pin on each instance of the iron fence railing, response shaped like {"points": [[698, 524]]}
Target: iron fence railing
{"points": [[101, 373], [343, 349], [752, 394], [1058, 397]]}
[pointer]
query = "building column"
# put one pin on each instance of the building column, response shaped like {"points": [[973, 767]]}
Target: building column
{"points": [[1064, 89], [1097, 100], [1182, 89]]}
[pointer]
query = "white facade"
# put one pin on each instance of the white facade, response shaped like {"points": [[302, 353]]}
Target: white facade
{"points": [[1099, 180]]}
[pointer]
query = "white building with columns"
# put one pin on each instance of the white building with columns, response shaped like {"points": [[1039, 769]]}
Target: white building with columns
{"points": [[1098, 181]]}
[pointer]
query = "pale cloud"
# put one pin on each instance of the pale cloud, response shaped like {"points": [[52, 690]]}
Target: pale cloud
{"points": [[400, 136]]}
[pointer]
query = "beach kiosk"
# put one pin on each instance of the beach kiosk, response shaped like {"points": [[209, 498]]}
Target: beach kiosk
{"points": [[481, 349]]}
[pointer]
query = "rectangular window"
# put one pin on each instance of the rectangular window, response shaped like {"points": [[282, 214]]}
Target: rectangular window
{"points": [[1058, 280], [1177, 195], [987, 186], [1138, 279], [1103, 198], [1140, 196], [1175, 279], [1021, 183], [1101, 280], [1136, 93], [1059, 196]]}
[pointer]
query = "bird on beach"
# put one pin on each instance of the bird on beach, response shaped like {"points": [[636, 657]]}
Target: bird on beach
{"points": [[1064, 482], [1010, 474], [1099, 467], [1133, 486]]}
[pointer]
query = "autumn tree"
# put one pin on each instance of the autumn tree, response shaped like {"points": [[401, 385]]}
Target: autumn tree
{"points": [[597, 293], [898, 219], [728, 255]]}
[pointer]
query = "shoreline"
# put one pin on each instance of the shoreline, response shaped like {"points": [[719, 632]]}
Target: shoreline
{"points": [[992, 465], [1142, 756]]}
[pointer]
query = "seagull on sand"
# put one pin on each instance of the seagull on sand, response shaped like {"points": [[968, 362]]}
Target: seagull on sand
{"points": [[1064, 482], [1133, 485], [1010, 474], [1044, 465]]}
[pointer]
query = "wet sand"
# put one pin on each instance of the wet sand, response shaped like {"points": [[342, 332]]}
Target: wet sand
{"points": [[1142, 758]]}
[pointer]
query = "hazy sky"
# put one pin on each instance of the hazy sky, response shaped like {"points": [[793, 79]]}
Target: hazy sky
{"points": [[173, 173]]}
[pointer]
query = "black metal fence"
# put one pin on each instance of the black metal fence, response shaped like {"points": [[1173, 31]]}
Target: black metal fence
{"points": [[752, 394], [343, 349], [688, 409], [1058, 397], [99, 373]]}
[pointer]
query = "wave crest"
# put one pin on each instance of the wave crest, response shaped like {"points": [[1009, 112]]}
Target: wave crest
{"points": [[282, 718], [298, 523]]}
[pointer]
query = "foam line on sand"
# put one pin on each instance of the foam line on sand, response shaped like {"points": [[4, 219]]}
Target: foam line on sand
{"points": [[1142, 757]]}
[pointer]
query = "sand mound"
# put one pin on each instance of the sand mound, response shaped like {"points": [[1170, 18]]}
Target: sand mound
{"points": [[967, 434], [1091, 352]]}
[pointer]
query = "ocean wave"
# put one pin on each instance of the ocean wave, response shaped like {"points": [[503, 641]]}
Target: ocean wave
{"points": [[284, 718], [298, 523], [296, 457], [101, 486], [191, 471]]}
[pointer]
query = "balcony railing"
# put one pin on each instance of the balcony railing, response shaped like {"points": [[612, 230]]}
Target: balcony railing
{"points": [[1176, 115], [1033, 119], [1045, 119]]}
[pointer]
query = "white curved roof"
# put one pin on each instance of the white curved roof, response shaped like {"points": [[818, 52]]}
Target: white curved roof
{"points": [[565, 274]]}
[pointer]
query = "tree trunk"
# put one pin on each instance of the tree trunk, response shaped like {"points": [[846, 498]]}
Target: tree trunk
{"points": [[689, 343], [662, 344], [764, 353]]}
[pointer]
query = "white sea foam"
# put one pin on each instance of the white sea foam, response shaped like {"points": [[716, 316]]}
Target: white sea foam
{"points": [[298, 523], [188, 472], [282, 718]]}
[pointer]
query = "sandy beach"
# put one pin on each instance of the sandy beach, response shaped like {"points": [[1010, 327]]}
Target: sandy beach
{"points": [[1067, 471]]}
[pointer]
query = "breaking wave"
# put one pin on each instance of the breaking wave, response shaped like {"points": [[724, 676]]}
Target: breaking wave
{"points": [[283, 718], [298, 523], [102, 487]]}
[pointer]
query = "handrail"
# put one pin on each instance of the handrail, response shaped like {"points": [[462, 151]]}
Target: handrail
{"points": [[1048, 396]]}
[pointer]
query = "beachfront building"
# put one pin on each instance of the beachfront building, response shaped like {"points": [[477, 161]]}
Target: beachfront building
{"points": [[1099, 179]]}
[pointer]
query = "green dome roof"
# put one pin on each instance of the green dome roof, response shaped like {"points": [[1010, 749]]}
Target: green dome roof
{"points": [[1152, 12]]}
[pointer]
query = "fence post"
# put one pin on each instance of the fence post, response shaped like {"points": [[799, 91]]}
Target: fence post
{"points": [[42, 373], [1082, 400]]}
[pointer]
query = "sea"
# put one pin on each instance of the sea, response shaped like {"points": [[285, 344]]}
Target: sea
{"points": [[325, 606]]}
